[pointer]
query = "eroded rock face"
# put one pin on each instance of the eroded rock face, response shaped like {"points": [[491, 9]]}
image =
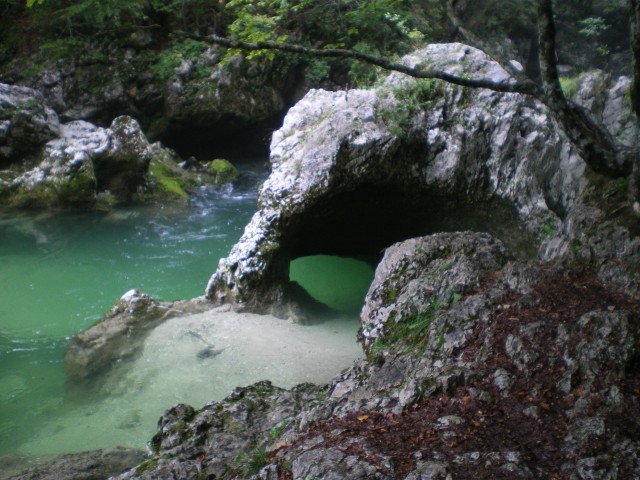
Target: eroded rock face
{"points": [[417, 274], [26, 123], [192, 98], [234, 430], [353, 172]]}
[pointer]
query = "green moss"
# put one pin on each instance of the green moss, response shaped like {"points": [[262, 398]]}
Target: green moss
{"points": [[278, 430], [222, 171], [171, 58], [251, 461], [147, 465], [78, 192], [41, 196], [167, 184], [413, 331], [570, 86]]}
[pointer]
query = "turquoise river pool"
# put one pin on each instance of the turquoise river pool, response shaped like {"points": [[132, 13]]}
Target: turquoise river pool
{"points": [[59, 273]]}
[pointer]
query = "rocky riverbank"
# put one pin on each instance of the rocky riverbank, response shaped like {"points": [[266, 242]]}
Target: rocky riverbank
{"points": [[49, 164]]}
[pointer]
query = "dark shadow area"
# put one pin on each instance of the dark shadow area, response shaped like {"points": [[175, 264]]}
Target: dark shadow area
{"points": [[360, 224], [227, 138]]}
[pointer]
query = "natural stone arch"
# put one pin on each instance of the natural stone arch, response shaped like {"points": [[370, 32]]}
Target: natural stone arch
{"points": [[334, 160]]}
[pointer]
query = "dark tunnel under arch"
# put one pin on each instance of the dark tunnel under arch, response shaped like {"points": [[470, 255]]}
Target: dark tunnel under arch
{"points": [[361, 223]]}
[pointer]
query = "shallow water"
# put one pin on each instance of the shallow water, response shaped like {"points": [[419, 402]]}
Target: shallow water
{"points": [[61, 273]]}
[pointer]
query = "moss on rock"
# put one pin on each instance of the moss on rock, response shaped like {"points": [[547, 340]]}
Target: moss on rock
{"points": [[166, 183], [223, 171]]}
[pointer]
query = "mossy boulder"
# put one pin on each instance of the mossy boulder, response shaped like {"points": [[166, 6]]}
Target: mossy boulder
{"points": [[89, 167], [55, 183], [222, 171], [166, 181]]}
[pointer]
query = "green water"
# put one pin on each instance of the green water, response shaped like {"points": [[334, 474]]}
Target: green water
{"points": [[340, 283], [60, 273]]}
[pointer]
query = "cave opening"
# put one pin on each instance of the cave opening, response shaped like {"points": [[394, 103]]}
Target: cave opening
{"points": [[359, 225], [226, 138], [363, 222]]}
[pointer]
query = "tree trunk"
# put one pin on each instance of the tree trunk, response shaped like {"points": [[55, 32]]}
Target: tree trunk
{"points": [[634, 23], [547, 56]]}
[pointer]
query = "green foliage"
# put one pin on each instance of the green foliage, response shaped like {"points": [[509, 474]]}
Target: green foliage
{"points": [[594, 27], [101, 14], [570, 85], [251, 461], [379, 27], [410, 98], [85, 18], [171, 58], [61, 47], [317, 71], [278, 430], [492, 19]]}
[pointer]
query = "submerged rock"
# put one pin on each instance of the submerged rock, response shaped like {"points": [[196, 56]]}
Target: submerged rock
{"points": [[115, 336], [119, 333], [222, 171], [96, 465]]}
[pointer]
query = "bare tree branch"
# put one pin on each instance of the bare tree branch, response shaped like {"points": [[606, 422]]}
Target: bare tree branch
{"points": [[420, 71], [596, 145]]}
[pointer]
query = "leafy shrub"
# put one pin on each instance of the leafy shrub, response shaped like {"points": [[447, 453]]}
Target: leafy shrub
{"points": [[409, 99], [171, 58]]}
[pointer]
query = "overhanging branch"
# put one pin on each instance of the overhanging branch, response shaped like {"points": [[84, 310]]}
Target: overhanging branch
{"points": [[512, 85]]}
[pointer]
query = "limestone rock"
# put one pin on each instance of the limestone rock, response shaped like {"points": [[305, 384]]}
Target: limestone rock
{"points": [[415, 273], [197, 94], [338, 171], [84, 161], [26, 122], [362, 165], [225, 439]]}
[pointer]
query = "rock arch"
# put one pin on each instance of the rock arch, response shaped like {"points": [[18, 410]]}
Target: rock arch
{"points": [[341, 183]]}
